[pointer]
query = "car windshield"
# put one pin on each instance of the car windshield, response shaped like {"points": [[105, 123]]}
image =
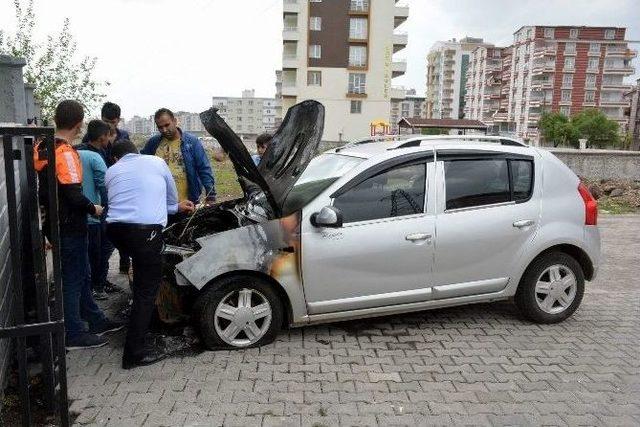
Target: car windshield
{"points": [[321, 172]]}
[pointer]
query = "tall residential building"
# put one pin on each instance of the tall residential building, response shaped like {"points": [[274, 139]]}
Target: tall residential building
{"points": [[278, 118], [484, 93], [633, 127], [247, 115], [140, 125], [405, 103], [340, 53], [190, 122], [447, 64], [564, 69]]}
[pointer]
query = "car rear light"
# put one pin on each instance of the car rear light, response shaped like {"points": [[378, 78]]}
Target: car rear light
{"points": [[590, 205]]}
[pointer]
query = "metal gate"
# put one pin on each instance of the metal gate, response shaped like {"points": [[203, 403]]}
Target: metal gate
{"points": [[48, 323]]}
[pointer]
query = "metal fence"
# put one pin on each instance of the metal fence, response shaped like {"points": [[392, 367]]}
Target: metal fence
{"points": [[27, 244]]}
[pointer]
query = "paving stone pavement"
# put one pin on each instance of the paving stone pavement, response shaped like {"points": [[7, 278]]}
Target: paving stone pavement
{"points": [[473, 365]]}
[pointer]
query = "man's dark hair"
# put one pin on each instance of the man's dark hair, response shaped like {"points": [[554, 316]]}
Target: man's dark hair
{"points": [[110, 111], [263, 139], [96, 129], [122, 148], [162, 111], [68, 114]]}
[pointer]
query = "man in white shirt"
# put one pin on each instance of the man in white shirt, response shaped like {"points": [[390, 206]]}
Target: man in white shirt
{"points": [[141, 193]]}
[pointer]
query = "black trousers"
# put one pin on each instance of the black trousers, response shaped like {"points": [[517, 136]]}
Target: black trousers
{"points": [[144, 244]]}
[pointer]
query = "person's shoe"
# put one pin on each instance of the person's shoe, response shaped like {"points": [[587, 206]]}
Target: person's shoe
{"points": [[107, 326], [148, 357], [110, 288], [85, 340], [100, 295]]}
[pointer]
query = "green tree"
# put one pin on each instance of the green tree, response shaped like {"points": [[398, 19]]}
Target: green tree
{"points": [[558, 129], [599, 131], [52, 66]]}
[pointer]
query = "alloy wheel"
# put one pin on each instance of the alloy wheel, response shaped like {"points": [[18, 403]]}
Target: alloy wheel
{"points": [[242, 317], [556, 289]]}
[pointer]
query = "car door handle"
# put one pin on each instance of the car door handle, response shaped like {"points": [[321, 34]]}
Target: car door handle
{"points": [[415, 237], [523, 223]]}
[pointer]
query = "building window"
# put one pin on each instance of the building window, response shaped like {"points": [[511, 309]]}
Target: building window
{"points": [[594, 47], [610, 34], [315, 23], [357, 83], [565, 110], [569, 63], [590, 96], [570, 48], [590, 80], [548, 33], [573, 33], [567, 80], [359, 5], [315, 51], [356, 107], [357, 56], [593, 63], [358, 28], [529, 33], [314, 78], [566, 96]]}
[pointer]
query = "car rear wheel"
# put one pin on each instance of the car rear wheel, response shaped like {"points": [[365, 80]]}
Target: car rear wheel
{"points": [[239, 312], [551, 288]]}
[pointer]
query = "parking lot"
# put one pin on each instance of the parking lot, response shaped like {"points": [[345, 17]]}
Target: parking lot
{"points": [[475, 365]]}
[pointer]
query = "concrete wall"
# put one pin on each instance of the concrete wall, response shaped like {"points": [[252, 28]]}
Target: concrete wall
{"points": [[601, 164], [13, 109]]}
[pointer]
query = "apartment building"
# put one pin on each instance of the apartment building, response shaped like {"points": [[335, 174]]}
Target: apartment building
{"points": [[484, 94], [405, 103], [140, 125], [563, 69], [247, 115], [447, 64], [633, 125], [341, 53]]}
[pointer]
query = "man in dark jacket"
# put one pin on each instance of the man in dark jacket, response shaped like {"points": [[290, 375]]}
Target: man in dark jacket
{"points": [[73, 208], [110, 114], [185, 157]]}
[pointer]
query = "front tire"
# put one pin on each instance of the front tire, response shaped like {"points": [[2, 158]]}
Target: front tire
{"points": [[551, 289], [238, 312]]}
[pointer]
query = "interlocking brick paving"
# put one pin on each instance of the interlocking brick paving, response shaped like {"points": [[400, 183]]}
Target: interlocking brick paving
{"points": [[471, 365]]}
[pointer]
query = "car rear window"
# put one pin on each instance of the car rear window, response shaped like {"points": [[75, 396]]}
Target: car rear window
{"points": [[522, 177], [479, 182], [476, 182]]}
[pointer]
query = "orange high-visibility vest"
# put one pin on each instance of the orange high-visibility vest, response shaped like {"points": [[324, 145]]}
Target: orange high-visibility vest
{"points": [[68, 166]]}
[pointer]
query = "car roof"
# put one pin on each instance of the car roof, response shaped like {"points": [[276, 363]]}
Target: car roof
{"points": [[392, 146]]}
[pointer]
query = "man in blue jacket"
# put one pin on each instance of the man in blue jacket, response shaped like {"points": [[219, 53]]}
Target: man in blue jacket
{"points": [[185, 156]]}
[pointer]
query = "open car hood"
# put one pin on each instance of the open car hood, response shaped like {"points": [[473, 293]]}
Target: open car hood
{"points": [[293, 146]]}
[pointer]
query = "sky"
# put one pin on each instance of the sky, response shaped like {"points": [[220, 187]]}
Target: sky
{"points": [[180, 53]]}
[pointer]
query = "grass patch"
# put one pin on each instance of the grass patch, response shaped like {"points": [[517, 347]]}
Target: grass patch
{"points": [[615, 207], [227, 186]]}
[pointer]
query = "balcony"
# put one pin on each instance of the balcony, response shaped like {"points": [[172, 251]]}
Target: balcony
{"points": [[400, 15], [289, 60], [616, 69], [289, 90], [398, 68], [291, 6], [614, 102], [290, 33], [548, 67], [400, 41], [621, 52], [617, 87]]}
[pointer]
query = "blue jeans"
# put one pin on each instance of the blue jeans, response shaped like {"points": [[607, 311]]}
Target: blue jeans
{"points": [[106, 250], [95, 256], [76, 286]]}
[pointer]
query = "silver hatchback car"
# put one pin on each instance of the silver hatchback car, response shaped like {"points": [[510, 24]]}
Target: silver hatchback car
{"points": [[382, 227]]}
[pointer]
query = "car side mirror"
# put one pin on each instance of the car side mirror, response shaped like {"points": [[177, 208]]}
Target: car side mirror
{"points": [[328, 216]]}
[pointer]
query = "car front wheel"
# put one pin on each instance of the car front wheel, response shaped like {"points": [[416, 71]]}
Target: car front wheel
{"points": [[239, 312], [551, 288]]}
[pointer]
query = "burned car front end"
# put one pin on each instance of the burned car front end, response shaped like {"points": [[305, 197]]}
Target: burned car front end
{"points": [[255, 236]]}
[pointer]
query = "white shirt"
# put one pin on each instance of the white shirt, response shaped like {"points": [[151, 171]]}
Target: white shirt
{"points": [[141, 190]]}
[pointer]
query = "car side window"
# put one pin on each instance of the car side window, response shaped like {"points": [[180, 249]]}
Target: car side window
{"points": [[395, 192], [479, 182], [522, 178]]}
